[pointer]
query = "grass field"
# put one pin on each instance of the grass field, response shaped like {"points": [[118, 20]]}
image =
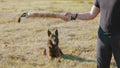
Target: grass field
{"points": [[24, 40]]}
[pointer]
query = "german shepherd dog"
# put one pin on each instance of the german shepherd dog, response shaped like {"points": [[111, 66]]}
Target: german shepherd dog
{"points": [[52, 50]]}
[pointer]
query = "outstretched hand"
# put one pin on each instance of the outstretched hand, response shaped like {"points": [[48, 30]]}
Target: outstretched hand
{"points": [[69, 16]]}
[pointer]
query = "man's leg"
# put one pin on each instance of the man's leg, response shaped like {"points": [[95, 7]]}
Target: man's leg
{"points": [[104, 53], [115, 44]]}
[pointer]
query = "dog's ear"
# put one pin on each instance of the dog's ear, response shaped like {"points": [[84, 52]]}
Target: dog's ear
{"points": [[49, 33], [56, 32]]}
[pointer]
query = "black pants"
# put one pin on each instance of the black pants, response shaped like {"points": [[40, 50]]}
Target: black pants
{"points": [[107, 44]]}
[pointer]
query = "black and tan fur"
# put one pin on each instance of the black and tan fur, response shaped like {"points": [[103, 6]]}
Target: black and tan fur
{"points": [[52, 50]]}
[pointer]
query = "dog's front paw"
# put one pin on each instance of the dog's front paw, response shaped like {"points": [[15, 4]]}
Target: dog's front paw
{"points": [[59, 59], [49, 57]]}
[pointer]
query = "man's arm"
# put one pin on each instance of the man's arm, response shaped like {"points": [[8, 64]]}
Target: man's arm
{"points": [[67, 17], [84, 16]]}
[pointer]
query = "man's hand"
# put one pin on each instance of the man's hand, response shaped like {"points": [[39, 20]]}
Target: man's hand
{"points": [[69, 16]]}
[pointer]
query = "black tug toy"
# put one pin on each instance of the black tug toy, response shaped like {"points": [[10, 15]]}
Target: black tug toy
{"points": [[23, 15]]}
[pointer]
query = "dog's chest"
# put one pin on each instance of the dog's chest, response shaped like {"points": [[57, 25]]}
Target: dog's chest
{"points": [[54, 50]]}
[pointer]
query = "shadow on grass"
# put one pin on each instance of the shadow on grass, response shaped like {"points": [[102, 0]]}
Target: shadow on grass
{"points": [[71, 57]]}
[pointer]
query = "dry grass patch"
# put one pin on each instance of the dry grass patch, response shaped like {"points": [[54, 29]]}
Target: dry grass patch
{"points": [[24, 40]]}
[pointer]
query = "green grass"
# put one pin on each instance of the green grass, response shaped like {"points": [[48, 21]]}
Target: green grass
{"points": [[24, 40]]}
